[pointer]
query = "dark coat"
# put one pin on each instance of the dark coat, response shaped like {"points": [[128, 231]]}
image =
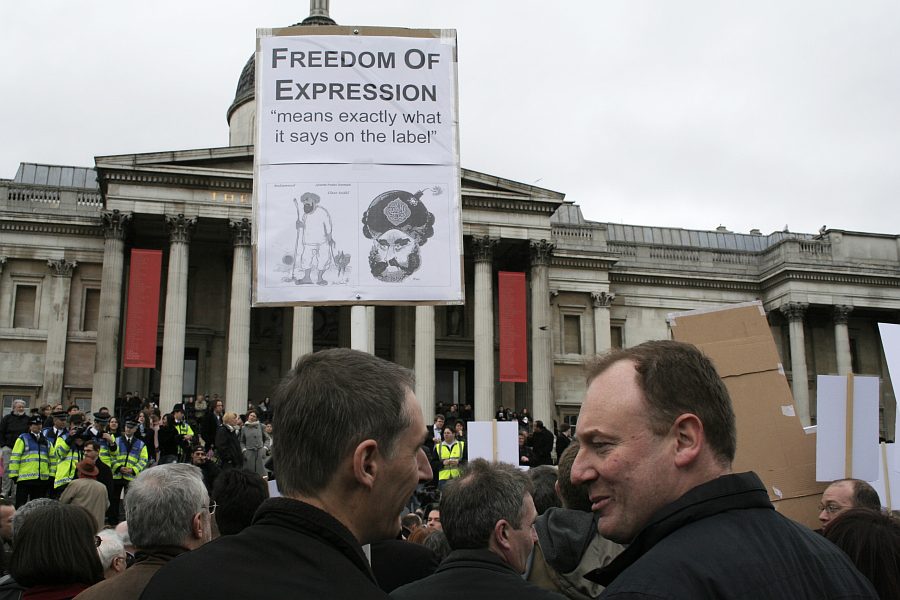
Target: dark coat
{"points": [[473, 575], [130, 584], [209, 427], [228, 449], [12, 426], [723, 539], [562, 442], [292, 550], [397, 562], [542, 445]]}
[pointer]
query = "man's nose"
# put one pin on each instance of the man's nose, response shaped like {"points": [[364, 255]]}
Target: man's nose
{"points": [[581, 471], [425, 473]]}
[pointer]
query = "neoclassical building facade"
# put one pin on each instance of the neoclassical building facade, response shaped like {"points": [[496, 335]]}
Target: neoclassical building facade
{"points": [[66, 233]]}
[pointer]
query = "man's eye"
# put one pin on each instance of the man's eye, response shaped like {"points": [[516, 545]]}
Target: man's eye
{"points": [[384, 243], [401, 243]]}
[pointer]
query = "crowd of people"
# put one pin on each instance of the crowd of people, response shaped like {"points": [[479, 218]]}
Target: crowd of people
{"points": [[641, 503]]}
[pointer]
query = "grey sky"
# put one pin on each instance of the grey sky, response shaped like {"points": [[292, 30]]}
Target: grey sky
{"points": [[687, 114]]}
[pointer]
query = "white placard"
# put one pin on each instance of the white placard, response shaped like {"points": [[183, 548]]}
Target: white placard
{"points": [[356, 178], [356, 99], [480, 435], [889, 472], [831, 440], [342, 250]]}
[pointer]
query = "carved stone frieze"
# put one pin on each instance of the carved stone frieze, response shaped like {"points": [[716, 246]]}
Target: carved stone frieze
{"points": [[541, 252], [60, 267], [115, 224], [180, 228], [794, 311], [241, 231]]}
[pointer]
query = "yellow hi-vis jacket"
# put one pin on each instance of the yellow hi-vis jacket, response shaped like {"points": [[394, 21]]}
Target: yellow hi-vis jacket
{"points": [[454, 451], [31, 459]]}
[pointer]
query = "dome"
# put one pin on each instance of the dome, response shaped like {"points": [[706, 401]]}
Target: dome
{"points": [[246, 86]]}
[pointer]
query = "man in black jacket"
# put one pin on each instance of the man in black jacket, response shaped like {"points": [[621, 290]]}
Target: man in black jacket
{"points": [[11, 427], [542, 445], [488, 517], [657, 439], [349, 457]]}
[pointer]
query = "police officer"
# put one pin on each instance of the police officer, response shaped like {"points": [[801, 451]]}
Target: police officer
{"points": [[31, 463]]}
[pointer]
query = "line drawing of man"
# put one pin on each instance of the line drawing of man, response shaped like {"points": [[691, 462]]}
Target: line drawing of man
{"points": [[314, 229], [397, 222]]}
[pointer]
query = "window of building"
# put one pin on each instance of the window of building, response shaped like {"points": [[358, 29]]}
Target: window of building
{"points": [[91, 316], [617, 336], [24, 314], [571, 334]]}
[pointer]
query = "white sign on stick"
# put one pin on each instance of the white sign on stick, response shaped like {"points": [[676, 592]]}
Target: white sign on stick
{"points": [[888, 482], [493, 441], [356, 174], [831, 434]]}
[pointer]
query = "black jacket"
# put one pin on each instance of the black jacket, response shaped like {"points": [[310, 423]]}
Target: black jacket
{"points": [[542, 444], [473, 575], [12, 426], [292, 550], [723, 539], [228, 449]]}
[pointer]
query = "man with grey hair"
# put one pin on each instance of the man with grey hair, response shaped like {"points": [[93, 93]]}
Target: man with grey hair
{"points": [[112, 553], [351, 459], [488, 517], [168, 513]]}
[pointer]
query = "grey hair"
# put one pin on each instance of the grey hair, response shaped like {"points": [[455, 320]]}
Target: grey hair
{"points": [[473, 503], [161, 504], [110, 547], [24, 510], [330, 402]]}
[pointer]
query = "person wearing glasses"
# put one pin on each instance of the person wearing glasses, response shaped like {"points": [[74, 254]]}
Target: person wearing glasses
{"points": [[845, 494], [168, 512]]}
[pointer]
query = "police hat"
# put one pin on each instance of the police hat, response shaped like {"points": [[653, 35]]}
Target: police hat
{"points": [[59, 414], [36, 420]]}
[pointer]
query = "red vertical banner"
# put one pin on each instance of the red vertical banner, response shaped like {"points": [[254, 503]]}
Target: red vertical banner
{"points": [[142, 317], [513, 334]]}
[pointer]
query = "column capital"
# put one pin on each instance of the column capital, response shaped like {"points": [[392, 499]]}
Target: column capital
{"points": [[60, 267], [483, 248], [541, 252], [842, 313], [794, 311], [602, 299], [180, 227], [115, 223], [241, 231]]}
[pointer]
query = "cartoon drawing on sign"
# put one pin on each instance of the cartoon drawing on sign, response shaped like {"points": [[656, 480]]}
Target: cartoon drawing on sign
{"points": [[314, 247], [397, 222]]}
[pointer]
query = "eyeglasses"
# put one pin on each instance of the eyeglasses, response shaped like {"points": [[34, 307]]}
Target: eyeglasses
{"points": [[830, 508], [97, 540], [212, 507], [129, 559]]}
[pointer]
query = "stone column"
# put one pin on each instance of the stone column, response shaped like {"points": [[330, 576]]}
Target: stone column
{"points": [[794, 312], [302, 335], [172, 376], [425, 361], [483, 254], [404, 330], [359, 328], [106, 357], [57, 328], [602, 336], [370, 331], [842, 339], [237, 370], [541, 328]]}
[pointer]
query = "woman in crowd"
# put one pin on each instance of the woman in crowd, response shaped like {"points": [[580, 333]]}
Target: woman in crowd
{"points": [[112, 428], [55, 554], [252, 444], [526, 454], [168, 440], [872, 541]]}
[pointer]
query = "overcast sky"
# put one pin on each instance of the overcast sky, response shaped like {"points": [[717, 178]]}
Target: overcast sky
{"points": [[673, 113]]}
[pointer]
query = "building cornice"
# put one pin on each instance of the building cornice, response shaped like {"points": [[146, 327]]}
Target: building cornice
{"points": [[682, 282], [830, 277], [88, 230]]}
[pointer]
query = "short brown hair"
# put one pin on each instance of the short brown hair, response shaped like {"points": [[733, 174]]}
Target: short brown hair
{"points": [[677, 378], [575, 497], [330, 402]]}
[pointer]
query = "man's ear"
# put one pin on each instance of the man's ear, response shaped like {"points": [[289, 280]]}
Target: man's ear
{"points": [[197, 526], [501, 534], [689, 439], [365, 462]]}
